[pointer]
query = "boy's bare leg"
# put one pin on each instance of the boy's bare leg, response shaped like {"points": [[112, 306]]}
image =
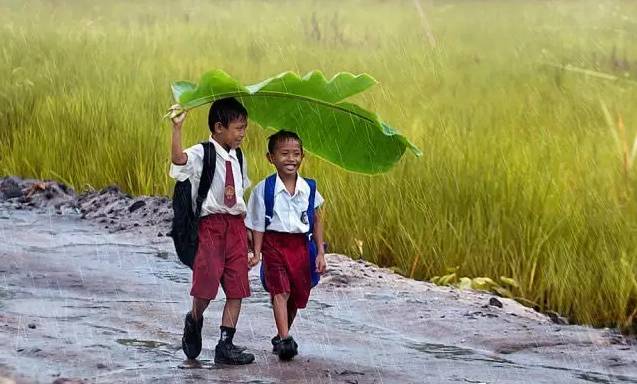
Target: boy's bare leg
{"points": [[198, 307], [280, 307], [291, 314], [225, 351], [191, 340], [231, 312]]}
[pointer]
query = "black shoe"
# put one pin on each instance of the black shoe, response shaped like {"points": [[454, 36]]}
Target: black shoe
{"points": [[191, 340], [276, 340], [227, 333], [287, 348], [238, 348], [226, 353]]}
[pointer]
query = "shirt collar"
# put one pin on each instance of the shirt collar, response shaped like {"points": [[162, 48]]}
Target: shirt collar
{"points": [[226, 155], [300, 187]]}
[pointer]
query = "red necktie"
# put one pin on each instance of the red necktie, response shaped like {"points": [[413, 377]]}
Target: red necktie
{"points": [[229, 196]]}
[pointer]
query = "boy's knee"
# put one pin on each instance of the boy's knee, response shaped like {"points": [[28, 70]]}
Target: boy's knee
{"points": [[281, 296], [199, 305], [199, 302]]}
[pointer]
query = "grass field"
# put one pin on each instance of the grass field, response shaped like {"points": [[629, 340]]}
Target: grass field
{"points": [[527, 167]]}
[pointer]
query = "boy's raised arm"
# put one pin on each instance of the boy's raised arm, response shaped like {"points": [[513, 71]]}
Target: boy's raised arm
{"points": [[178, 156]]}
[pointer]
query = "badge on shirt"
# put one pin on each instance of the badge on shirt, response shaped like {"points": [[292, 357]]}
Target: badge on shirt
{"points": [[229, 192], [304, 218]]}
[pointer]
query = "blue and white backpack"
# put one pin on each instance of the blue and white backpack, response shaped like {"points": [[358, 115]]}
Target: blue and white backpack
{"points": [[268, 198]]}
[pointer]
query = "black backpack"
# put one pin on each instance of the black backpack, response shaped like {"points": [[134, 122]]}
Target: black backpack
{"points": [[185, 221]]}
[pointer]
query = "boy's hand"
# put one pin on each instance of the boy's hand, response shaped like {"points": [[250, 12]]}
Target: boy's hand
{"points": [[253, 259], [250, 238], [177, 115], [321, 265]]}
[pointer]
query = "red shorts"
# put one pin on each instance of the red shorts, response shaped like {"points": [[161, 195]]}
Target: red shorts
{"points": [[287, 266], [222, 258]]}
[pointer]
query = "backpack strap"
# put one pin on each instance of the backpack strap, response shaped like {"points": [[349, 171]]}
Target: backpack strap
{"points": [[311, 244], [240, 158], [268, 198], [310, 205], [208, 171]]}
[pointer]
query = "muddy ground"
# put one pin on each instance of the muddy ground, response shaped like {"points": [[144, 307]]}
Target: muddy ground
{"points": [[91, 292]]}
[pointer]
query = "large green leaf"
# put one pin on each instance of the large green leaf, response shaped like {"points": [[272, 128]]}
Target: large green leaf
{"points": [[313, 107]]}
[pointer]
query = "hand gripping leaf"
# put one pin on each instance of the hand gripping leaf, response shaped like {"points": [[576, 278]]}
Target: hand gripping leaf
{"points": [[313, 107]]}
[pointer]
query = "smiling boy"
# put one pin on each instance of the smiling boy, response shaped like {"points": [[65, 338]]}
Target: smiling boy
{"points": [[222, 251], [282, 237]]}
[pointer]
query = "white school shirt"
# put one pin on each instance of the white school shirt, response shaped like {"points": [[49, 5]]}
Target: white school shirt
{"points": [[213, 204], [290, 210]]}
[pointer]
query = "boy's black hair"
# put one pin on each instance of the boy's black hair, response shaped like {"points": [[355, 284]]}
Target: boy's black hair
{"points": [[280, 136], [225, 111]]}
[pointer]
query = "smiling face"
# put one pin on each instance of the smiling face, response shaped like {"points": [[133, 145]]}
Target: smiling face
{"points": [[232, 135], [286, 156]]}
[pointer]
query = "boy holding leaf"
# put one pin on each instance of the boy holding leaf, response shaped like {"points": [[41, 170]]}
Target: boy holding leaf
{"points": [[222, 251]]}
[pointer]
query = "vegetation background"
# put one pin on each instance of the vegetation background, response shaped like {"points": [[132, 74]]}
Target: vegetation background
{"points": [[524, 110]]}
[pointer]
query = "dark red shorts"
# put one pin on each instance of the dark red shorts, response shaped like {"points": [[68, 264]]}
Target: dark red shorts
{"points": [[287, 266], [222, 258]]}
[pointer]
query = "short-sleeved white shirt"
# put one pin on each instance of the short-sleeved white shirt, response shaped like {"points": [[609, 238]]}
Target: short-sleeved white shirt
{"points": [[290, 210], [213, 204]]}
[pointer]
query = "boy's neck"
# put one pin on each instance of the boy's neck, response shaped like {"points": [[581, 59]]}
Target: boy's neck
{"points": [[289, 181], [224, 146]]}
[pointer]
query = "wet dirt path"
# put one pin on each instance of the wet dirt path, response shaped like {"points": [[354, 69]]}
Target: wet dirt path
{"points": [[79, 302]]}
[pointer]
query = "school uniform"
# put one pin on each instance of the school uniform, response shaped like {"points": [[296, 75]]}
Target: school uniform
{"points": [[284, 249], [222, 251]]}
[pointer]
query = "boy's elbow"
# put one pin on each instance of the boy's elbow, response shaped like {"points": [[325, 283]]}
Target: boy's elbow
{"points": [[180, 159]]}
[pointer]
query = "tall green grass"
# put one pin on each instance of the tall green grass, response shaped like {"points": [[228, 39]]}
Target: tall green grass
{"points": [[522, 174]]}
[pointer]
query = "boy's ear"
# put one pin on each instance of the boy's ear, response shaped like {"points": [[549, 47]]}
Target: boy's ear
{"points": [[218, 127], [267, 156]]}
